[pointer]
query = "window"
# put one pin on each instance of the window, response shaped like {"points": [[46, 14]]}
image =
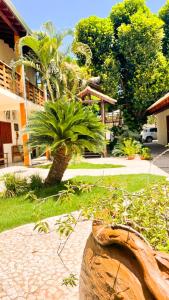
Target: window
{"points": [[153, 129]]}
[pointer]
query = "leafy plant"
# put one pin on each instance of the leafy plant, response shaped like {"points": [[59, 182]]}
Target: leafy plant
{"points": [[66, 128], [42, 226], [70, 281], [145, 153], [146, 211], [128, 147], [36, 182], [15, 185]]}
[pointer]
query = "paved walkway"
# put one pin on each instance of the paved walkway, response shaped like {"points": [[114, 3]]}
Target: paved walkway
{"points": [[30, 268], [29, 265]]}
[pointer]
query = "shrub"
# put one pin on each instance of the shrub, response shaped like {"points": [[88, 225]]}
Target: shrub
{"points": [[145, 153], [36, 182], [15, 185], [128, 147], [146, 211]]}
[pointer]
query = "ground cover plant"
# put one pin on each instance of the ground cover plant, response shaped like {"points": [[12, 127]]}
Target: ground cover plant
{"points": [[85, 165], [29, 207]]}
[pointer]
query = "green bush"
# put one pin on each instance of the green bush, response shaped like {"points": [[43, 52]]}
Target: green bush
{"points": [[145, 153], [15, 185], [127, 147], [146, 211], [36, 182]]}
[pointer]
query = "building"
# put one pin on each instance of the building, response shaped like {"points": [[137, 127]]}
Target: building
{"points": [[161, 110], [18, 96]]}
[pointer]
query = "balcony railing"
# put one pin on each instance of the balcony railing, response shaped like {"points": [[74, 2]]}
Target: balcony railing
{"points": [[9, 83], [33, 93]]}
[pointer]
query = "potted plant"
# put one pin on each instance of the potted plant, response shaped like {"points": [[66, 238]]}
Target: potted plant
{"points": [[145, 153], [128, 147]]}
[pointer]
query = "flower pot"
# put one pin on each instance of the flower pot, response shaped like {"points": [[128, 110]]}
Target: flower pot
{"points": [[119, 264], [131, 157]]}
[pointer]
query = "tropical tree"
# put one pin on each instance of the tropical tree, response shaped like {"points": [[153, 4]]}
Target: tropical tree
{"points": [[130, 62], [164, 15], [66, 128], [57, 70]]}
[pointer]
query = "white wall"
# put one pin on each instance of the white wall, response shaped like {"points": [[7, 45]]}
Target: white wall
{"points": [[162, 127]]}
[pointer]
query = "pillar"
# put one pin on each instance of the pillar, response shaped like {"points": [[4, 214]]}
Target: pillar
{"points": [[103, 121], [27, 159]]}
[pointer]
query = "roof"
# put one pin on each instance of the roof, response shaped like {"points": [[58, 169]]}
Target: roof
{"points": [[12, 9], [159, 105], [89, 91], [11, 22]]}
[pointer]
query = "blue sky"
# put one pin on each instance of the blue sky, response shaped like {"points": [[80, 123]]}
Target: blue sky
{"points": [[66, 13]]}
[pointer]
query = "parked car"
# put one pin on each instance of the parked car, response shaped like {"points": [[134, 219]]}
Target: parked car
{"points": [[149, 134]]}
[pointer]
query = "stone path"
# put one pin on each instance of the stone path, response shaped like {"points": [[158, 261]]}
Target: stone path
{"points": [[30, 267]]}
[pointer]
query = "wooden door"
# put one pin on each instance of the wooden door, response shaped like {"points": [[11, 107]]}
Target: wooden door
{"points": [[5, 138], [167, 129], [5, 133]]}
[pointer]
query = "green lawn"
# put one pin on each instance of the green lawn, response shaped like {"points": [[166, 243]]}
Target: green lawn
{"points": [[85, 165], [17, 211]]}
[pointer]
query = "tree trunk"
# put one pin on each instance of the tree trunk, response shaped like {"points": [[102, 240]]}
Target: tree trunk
{"points": [[60, 163]]}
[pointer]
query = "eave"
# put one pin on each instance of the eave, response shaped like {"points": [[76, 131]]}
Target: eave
{"points": [[159, 106]]}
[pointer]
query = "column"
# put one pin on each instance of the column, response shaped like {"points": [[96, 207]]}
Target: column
{"points": [[27, 159], [23, 114]]}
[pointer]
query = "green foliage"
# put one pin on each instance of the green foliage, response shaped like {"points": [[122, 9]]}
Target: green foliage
{"points": [[145, 211], [58, 72], [164, 15], [36, 182], [66, 124], [92, 31], [134, 68], [66, 226], [145, 153], [127, 147], [70, 281], [98, 34], [42, 227], [122, 12], [15, 185]]}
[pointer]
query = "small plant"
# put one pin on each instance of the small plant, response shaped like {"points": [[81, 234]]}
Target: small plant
{"points": [[128, 147], [145, 153], [70, 281], [42, 226], [36, 182], [15, 185]]}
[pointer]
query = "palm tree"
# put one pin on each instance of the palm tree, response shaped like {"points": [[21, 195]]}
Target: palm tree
{"points": [[53, 66], [66, 128]]}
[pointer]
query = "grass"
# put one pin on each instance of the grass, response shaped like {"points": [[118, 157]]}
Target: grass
{"points": [[85, 165], [18, 211]]}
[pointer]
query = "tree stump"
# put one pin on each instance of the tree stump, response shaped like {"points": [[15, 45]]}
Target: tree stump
{"points": [[118, 263]]}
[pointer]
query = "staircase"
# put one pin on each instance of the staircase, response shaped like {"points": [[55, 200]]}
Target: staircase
{"points": [[88, 154]]}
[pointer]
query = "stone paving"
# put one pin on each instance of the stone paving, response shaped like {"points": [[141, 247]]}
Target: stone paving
{"points": [[30, 267]]}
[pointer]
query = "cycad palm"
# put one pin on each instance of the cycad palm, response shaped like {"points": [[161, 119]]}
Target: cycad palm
{"points": [[67, 128], [47, 59]]}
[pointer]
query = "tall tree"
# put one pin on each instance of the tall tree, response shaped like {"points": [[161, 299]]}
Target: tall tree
{"points": [[164, 15], [98, 34], [134, 62], [66, 128]]}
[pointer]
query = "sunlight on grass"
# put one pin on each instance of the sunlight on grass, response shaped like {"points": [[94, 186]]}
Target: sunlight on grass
{"points": [[85, 165]]}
